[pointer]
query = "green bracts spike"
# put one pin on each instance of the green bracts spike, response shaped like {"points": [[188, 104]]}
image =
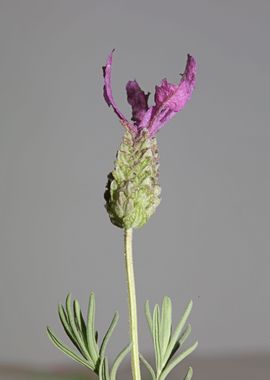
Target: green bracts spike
{"points": [[132, 191]]}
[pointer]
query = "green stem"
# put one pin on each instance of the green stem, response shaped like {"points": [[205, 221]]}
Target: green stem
{"points": [[133, 324]]}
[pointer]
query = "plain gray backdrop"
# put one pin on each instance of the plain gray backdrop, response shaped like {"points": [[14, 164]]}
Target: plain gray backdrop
{"points": [[209, 239]]}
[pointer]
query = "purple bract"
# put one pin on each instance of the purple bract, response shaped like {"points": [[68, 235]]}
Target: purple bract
{"points": [[169, 99]]}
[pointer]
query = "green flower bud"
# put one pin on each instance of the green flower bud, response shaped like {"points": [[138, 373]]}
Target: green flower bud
{"points": [[132, 191]]}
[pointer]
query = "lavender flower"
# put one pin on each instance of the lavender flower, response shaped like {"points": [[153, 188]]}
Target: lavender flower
{"points": [[169, 99], [133, 192]]}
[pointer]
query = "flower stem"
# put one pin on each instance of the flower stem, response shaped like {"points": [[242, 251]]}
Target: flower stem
{"points": [[133, 324]]}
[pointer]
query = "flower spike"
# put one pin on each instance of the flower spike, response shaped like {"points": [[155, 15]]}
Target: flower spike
{"points": [[133, 192]]}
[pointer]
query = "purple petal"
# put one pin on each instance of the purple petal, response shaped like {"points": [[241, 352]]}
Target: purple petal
{"points": [[107, 89], [144, 124], [138, 101], [171, 98]]}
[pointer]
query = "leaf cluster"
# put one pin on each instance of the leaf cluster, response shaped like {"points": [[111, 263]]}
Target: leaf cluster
{"points": [[84, 337], [166, 342]]}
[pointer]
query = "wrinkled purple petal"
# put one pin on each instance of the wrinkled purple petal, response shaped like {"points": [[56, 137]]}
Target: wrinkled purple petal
{"points": [[138, 101], [171, 98], [144, 124], [107, 89], [164, 92]]}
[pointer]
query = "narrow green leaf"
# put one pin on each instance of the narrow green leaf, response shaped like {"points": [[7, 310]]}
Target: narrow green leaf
{"points": [[108, 335], [185, 335], [156, 335], [118, 361], [189, 374], [83, 348], [104, 370], [77, 314], [67, 351], [148, 366], [66, 326], [79, 320], [181, 340], [165, 324], [90, 329], [177, 360], [177, 332], [148, 316], [100, 371]]}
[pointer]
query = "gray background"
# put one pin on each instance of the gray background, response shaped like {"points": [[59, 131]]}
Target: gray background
{"points": [[209, 239]]}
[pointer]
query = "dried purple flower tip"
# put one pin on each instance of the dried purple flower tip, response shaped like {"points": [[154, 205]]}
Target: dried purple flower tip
{"points": [[169, 99]]}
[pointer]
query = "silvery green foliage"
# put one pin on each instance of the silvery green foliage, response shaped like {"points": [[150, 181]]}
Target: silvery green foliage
{"points": [[132, 191], [166, 342], [84, 337]]}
